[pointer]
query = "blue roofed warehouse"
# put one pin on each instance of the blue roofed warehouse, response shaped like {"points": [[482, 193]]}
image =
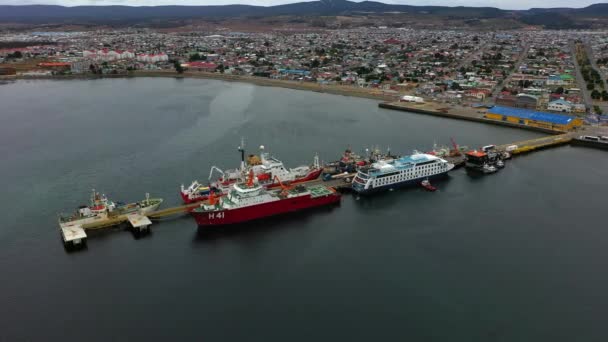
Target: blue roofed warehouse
{"points": [[533, 118]]}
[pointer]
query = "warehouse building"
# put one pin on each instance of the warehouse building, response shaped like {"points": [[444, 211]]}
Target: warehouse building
{"points": [[535, 119]]}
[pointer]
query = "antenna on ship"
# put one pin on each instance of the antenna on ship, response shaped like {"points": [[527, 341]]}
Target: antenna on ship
{"points": [[262, 154], [241, 149]]}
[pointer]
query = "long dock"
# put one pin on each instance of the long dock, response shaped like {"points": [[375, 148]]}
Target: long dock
{"points": [[536, 144], [74, 234]]}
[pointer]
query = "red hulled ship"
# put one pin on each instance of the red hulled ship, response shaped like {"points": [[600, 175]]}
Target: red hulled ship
{"points": [[268, 170], [249, 200]]}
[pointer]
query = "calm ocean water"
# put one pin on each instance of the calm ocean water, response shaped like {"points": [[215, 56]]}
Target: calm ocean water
{"points": [[515, 256]]}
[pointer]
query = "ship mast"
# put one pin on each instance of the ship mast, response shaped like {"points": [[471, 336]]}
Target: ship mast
{"points": [[242, 150]]}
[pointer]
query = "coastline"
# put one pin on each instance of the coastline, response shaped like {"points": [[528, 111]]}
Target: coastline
{"points": [[375, 94], [386, 100], [268, 82]]}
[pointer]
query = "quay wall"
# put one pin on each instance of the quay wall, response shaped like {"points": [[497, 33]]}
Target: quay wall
{"points": [[589, 143], [465, 117]]}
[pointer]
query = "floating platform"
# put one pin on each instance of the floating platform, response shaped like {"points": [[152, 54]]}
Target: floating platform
{"points": [[139, 222], [73, 234]]}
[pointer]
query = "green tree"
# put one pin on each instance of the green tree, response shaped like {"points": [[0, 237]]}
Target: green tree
{"points": [[590, 86], [597, 110], [559, 90], [596, 95], [178, 67], [197, 57], [315, 63], [604, 95], [221, 68]]}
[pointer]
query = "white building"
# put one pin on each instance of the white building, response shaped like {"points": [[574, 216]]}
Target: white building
{"points": [[153, 58], [107, 55], [560, 105], [80, 66]]}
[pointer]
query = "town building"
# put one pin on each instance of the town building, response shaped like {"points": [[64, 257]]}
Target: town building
{"points": [[560, 105], [520, 101], [532, 118]]}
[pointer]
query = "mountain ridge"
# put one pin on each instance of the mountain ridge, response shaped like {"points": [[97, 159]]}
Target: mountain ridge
{"points": [[116, 13]]}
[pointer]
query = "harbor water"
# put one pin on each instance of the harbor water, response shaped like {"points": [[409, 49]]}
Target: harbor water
{"points": [[519, 255]]}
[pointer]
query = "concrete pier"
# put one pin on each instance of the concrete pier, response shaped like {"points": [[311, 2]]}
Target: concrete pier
{"points": [[459, 113]]}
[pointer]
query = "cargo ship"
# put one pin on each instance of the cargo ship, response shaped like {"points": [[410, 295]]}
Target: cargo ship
{"points": [[408, 170], [247, 201], [265, 167], [100, 207]]}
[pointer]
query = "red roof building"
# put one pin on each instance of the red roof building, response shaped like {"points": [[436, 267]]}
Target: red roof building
{"points": [[203, 66]]}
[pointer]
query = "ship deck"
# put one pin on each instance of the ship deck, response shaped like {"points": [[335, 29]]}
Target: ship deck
{"points": [[319, 191]]}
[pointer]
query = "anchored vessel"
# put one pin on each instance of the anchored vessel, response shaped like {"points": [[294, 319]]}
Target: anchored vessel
{"points": [[480, 161], [100, 209], [250, 200], [265, 167], [408, 170]]}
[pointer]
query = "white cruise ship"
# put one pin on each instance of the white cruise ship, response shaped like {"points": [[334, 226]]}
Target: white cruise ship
{"points": [[408, 170]]}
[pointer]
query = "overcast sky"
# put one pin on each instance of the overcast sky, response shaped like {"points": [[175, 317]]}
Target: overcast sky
{"points": [[506, 4]]}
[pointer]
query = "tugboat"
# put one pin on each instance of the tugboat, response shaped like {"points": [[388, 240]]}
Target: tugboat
{"points": [[427, 185], [250, 200]]}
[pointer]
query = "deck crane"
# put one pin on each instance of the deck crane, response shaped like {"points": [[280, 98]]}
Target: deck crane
{"points": [[456, 148], [284, 188], [216, 169]]}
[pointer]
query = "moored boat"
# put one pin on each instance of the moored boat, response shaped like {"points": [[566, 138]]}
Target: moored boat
{"points": [[265, 167], [427, 185], [250, 200], [479, 161], [101, 207], [408, 170]]}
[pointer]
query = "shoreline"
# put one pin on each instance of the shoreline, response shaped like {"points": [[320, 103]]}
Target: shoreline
{"points": [[465, 114], [378, 94], [386, 101]]}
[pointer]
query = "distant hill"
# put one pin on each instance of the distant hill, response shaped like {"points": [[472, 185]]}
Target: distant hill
{"points": [[126, 14]]}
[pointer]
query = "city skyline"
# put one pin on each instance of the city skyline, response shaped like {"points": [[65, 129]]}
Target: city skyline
{"points": [[512, 5]]}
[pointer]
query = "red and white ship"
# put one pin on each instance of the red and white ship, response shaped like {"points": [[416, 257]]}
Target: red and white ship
{"points": [[266, 168], [250, 200]]}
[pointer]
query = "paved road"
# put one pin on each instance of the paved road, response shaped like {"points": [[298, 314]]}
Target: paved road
{"points": [[593, 63], [579, 77], [518, 63], [602, 105]]}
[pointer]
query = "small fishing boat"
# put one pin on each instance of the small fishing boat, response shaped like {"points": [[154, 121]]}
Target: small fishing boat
{"points": [[487, 168]]}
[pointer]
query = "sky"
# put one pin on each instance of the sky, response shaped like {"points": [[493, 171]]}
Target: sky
{"points": [[505, 4]]}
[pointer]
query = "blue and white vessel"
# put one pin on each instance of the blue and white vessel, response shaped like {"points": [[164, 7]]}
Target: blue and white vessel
{"points": [[394, 173]]}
